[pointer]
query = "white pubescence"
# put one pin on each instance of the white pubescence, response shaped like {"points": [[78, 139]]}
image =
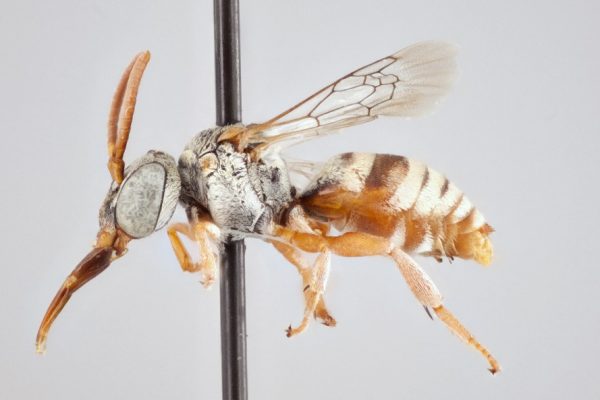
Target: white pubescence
{"points": [[398, 238], [352, 178], [448, 200], [406, 193], [426, 244], [477, 222], [418, 281], [461, 212], [430, 194]]}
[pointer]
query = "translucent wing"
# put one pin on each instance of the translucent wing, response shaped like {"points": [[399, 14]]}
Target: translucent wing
{"points": [[301, 171], [306, 169], [408, 83]]}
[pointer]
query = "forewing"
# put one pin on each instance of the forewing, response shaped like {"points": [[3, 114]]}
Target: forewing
{"points": [[408, 83]]}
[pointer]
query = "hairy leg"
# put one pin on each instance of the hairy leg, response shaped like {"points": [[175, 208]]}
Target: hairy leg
{"points": [[309, 285], [429, 296], [313, 293], [354, 244], [205, 234]]}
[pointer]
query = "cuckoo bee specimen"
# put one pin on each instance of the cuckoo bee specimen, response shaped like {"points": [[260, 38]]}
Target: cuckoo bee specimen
{"points": [[234, 182]]}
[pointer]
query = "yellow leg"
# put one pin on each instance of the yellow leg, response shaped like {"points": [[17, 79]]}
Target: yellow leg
{"points": [[205, 234], [354, 244], [350, 244], [319, 309], [314, 292], [459, 330], [181, 252], [429, 296]]}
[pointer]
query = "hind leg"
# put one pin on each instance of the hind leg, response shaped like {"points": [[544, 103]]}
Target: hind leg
{"points": [[429, 296], [356, 244], [350, 244]]}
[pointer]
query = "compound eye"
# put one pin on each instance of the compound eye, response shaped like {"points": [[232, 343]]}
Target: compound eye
{"points": [[140, 200]]}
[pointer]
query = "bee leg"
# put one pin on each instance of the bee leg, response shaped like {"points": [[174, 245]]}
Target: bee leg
{"points": [[314, 291], [322, 314], [200, 232], [429, 296], [350, 244], [185, 261], [295, 258], [207, 236], [356, 244]]}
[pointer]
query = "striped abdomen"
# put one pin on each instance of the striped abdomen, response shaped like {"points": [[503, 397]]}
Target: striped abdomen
{"points": [[394, 197]]}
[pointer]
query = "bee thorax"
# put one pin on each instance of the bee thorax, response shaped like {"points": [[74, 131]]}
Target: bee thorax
{"points": [[240, 194]]}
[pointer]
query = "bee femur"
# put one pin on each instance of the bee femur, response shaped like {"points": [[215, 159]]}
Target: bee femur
{"points": [[121, 114]]}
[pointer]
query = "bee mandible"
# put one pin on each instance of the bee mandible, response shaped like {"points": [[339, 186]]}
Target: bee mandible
{"points": [[234, 182]]}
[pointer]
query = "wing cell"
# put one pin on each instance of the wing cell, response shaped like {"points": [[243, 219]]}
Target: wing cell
{"points": [[408, 83]]}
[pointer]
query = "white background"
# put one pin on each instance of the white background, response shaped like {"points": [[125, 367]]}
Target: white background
{"points": [[519, 134]]}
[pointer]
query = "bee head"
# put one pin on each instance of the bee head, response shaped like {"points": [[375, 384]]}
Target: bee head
{"points": [[145, 201], [141, 198]]}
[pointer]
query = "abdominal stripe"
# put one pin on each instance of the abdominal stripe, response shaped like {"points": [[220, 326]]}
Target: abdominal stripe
{"points": [[386, 166]]}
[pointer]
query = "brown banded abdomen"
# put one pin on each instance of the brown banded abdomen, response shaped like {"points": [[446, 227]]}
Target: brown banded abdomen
{"points": [[394, 197]]}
